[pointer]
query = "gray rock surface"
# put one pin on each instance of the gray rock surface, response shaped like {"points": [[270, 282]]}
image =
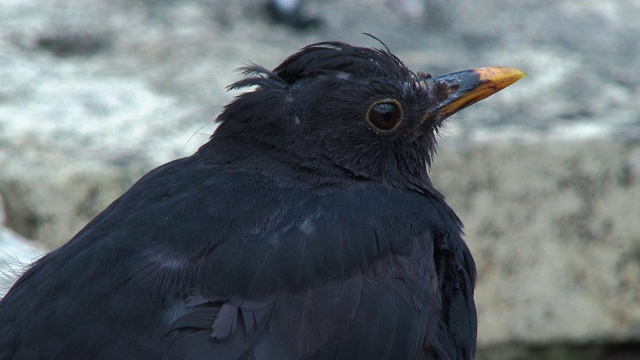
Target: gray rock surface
{"points": [[546, 175], [553, 224]]}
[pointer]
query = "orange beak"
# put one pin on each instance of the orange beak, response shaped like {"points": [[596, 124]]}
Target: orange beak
{"points": [[461, 89]]}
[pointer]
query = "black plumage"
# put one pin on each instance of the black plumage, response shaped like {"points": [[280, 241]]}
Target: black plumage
{"points": [[306, 228]]}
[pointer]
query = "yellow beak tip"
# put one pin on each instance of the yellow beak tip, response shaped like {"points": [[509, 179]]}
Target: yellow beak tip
{"points": [[501, 74]]}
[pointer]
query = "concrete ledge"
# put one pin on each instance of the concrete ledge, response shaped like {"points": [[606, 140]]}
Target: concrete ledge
{"points": [[553, 225]]}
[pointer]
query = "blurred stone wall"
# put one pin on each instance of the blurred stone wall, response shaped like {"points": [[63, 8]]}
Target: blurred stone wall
{"points": [[545, 175]]}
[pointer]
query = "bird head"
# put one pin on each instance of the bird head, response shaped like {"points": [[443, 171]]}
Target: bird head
{"points": [[336, 114]]}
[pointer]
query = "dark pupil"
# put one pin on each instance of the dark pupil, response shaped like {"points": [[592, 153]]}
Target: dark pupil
{"points": [[384, 116]]}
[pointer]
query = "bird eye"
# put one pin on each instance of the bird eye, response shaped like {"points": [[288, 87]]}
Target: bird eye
{"points": [[384, 115]]}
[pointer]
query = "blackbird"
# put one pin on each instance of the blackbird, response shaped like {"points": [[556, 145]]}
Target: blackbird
{"points": [[306, 228]]}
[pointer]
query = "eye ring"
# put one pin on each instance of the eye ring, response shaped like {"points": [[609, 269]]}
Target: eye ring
{"points": [[384, 115]]}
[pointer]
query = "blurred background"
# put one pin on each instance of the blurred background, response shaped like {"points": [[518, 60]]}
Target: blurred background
{"points": [[545, 175]]}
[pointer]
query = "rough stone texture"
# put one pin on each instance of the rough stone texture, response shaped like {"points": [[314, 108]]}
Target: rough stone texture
{"points": [[553, 224], [545, 175]]}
